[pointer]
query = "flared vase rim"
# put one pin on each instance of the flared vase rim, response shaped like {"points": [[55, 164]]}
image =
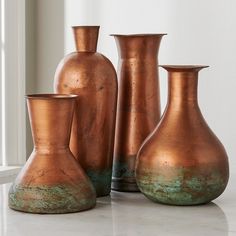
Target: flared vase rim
{"points": [[139, 35], [183, 67], [50, 96], [85, 26]]}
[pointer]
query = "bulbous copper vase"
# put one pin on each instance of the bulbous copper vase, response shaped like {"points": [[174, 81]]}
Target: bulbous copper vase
{"points": [[51, 180], [138, 103], [93, 77], [182, 162]]}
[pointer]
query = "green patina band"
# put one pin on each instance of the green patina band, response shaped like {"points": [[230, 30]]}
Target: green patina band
{"points": [[50, 199], [123, 176], [183, 189], [101, 181], [124, 169]]}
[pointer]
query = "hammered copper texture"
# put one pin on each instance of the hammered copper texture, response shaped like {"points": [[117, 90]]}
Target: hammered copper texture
{"points": [[182, 162], [93, 77], [138, 103], [51, 180]]}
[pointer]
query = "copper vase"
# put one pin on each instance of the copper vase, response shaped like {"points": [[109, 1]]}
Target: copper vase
{"points": [[51, 180], [93, 77], [138, 103], [182, 162]]}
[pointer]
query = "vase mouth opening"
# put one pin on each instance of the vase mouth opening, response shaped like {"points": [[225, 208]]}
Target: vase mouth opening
{"points": [[85, 26], [183, 68], [139, 35], [51, 96]]}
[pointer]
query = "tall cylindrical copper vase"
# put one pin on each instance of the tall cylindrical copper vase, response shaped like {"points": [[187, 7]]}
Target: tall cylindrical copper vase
{"points": [[93, 77], [182, 162], [51, 180], [138, 103]]}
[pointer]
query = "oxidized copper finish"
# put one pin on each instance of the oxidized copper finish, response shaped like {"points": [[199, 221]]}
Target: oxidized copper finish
{"points": [[92, 76], [138, 103], [182, 162], [51, 180]]}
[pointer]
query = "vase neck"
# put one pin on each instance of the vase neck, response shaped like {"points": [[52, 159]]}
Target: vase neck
{"points": [[86, 38], [144, 46], [51, 122], [183, 85]]}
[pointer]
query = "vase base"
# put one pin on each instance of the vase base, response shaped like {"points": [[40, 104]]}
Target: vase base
{"points": [[57, 199], [103, 195], [51, 212], [101, 180], [121, 185]]}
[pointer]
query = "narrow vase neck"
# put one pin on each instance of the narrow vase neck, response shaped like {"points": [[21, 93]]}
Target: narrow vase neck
{"points": [[86, 38], [183, 87], [138, 46]]}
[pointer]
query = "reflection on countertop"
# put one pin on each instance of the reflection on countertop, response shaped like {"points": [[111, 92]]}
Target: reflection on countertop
{"points": [[125, 214]]}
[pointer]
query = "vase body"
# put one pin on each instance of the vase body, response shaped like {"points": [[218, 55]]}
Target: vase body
{"points": [[51, 180], [138, 103], [182, 162], [91, 76]]}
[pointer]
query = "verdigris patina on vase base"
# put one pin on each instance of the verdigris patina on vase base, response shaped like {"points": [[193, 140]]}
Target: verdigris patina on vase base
{"points": [[101, 180], [123, 175], [50, 199], [183, 187]]}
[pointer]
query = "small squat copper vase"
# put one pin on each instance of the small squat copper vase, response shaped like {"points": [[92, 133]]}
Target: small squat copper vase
{"points": [[51, 180], [182, 162], [92, 76], [138, 103]]}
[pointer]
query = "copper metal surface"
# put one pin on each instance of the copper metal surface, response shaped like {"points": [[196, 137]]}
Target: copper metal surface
{"points": [[51, 181], [86, 38], [182, 162], [92, 76], [138, 103]]}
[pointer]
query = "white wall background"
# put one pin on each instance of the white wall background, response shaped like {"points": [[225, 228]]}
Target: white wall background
{"points": [[199, 32], [49, 41]]}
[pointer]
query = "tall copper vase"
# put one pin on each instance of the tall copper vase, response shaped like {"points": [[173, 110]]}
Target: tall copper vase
{"points": [[138, 103], [182, 162], [92, 76], [51, 181]]}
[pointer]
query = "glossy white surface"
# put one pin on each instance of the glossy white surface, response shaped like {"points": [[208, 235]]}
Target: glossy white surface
{"points": [[126, 214]]}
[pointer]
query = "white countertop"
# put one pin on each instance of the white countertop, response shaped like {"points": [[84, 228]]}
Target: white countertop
{"points": [[126, 214]]}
